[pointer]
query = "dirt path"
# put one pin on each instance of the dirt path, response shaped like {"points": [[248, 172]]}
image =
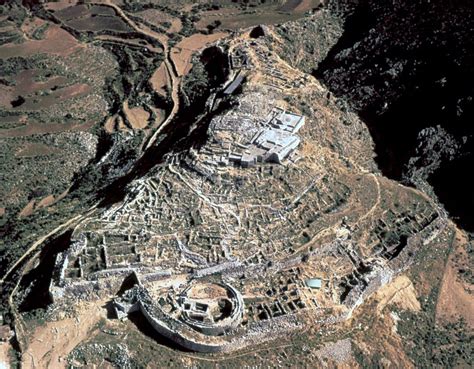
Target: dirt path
{"points": [[174, 82], [44, 238], [50, 344], [377, 201], [19, 325], [38, 243], [171, 70], [163, 39]]}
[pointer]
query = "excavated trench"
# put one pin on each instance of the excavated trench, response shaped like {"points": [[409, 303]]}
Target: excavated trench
{"points": [[188, 129]]}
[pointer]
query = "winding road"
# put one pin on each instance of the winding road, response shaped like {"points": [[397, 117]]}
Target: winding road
{"points": [[170, 68], [174, 82]]}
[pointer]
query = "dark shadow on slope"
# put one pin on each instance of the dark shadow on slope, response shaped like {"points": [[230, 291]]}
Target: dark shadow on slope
{"points": [[356, 26], [425, 103], [144, 327], [433, 86], [36, 282], [455, 189]]}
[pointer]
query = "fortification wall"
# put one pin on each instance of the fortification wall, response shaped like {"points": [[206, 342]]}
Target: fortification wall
{"points": [[185, 342]]}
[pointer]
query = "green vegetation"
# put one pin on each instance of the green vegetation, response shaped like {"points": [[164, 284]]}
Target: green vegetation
{"points": [[134, 6], [15, 12], [428, 342], [188, 25], [364, 361], [136, 68], [432, 345], [12, 66], [39, 32], [465, 264], [196, 82]]}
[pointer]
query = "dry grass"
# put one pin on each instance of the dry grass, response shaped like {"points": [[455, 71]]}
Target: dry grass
{"points": [[109, 125], [50, 344], [37, 129], [455, 297], [61, 4], [400, 293], [138, 117], [160, 80], [32, 149], [181, 54]]}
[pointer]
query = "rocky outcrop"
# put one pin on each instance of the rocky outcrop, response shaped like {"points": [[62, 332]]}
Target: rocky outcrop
{"points": [[406, 68]]}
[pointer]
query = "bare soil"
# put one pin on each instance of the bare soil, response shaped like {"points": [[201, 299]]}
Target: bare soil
{"points": [[32, 149], [26, 84], [110, 124], [45, 202], [290, 5], [400, 293], [6, 95], [42, 102], [50, 344], [455, 298], [160, 80], [99, 23], [236, 21], [181, 54], [4, 359], [28, 209], [56, 41], [61, 4], [72, 12], [379, 335], [31, 25], [306, 5], [138, 117], [36, 129]]}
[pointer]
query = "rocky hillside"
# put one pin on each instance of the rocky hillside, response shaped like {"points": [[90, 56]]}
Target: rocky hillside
{"points": [[406, 68]]}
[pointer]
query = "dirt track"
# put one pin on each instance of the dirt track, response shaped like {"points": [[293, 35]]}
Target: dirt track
{"points": [[173, 78]]}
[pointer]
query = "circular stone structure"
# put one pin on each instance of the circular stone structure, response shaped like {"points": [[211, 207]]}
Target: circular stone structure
{"points": [[211, 308]]}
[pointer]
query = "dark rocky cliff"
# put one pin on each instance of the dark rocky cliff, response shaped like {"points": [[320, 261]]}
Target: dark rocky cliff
{"points": [[407, 68]]}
